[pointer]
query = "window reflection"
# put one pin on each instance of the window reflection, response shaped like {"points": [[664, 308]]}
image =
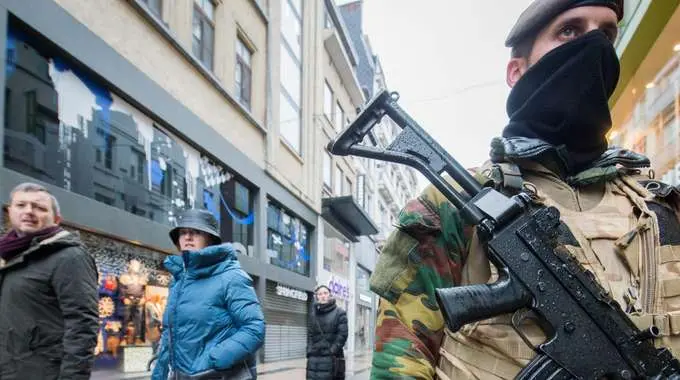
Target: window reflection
{"points": [[65, 128]]}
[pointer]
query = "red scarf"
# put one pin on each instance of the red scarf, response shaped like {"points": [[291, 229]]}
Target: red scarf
{"points": [[12, 244]]}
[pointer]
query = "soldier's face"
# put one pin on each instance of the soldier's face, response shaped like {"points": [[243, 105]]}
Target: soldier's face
{"points": [[31, 211], [566, 27]]}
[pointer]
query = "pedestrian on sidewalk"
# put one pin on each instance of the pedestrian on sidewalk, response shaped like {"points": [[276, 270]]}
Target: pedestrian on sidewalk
{"points": [[213, 323], [48, 293], [326, 337]]}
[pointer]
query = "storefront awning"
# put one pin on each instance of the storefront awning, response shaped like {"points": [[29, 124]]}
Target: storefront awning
{"points": [[348, 217]]}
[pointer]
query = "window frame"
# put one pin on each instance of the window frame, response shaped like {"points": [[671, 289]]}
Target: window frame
{"points": [[339, 116], [204, 20], [244, 84], [327, 164], [156, 12], [286, 48], [328, 102], [337, 180]]}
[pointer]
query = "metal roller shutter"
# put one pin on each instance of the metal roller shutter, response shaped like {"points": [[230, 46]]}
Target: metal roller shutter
{"points": [[286, 333]]}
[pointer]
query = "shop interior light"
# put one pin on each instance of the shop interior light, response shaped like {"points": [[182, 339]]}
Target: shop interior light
{"points": [[650, 85], [634, 91], [676, 48]]}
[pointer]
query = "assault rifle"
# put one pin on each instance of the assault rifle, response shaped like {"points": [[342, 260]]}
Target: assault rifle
{"points": [[589, 336]]}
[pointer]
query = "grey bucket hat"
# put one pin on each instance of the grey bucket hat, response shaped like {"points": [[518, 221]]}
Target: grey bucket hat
{"points": [[200, 220]]}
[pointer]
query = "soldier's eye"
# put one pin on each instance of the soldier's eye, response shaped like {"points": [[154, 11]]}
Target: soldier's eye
{"points": [[568, 32]]}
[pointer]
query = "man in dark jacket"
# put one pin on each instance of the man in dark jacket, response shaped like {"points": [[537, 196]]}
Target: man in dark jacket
{"points": [[326, 337], [48, 293]]}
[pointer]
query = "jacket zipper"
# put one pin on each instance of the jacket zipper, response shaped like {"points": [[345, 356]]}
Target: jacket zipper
{"points": [[650, 271], [180, 286]]}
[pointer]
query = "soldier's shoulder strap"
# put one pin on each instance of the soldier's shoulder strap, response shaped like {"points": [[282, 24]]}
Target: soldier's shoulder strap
{"points": [[506, 176]]}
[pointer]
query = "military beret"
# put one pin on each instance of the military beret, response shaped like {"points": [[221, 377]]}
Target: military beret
{"points": [[541, 12]]}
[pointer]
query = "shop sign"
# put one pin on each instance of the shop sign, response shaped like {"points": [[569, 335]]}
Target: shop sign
{"points": [[284, 291], [365, 298], [339, 287]]}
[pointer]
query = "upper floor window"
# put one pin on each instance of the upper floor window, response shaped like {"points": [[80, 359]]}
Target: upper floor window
{"points": [[328, 101], [339, 116], [291, 74], [327, 169], [243, 75], [327, 22], [204, 31], [347, 188], [155, 6], [337, 184]]}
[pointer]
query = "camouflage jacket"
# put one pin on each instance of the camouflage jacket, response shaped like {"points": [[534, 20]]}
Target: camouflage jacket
{"points": [[427, 251]]}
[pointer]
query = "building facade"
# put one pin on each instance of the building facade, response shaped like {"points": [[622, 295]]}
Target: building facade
{"points": [[382, 188], [646, 104], [131, 111], [345, 218]]}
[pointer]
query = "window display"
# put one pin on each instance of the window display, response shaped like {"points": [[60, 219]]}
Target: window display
{"points": [[131, 308]]}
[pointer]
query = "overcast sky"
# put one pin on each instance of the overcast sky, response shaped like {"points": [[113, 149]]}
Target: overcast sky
{"points": [[447, 60]]}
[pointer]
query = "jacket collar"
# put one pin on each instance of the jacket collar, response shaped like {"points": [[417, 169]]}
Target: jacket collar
{"points": [[61, 239], [554, 160], [203, 263]]}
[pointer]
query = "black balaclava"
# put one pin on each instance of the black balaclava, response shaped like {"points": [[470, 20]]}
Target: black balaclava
{"points": [[563, 98]]}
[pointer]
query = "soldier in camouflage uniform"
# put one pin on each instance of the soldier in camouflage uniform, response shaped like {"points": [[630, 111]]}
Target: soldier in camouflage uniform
{"points": [[622, 224]]}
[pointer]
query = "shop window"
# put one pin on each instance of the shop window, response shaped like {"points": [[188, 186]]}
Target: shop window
{"points": [[287, 240], [66, 128], [336, 253], [238, 219]]}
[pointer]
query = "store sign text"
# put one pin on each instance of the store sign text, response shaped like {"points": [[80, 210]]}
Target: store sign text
{"points": [[291, 293], [338, 289]]}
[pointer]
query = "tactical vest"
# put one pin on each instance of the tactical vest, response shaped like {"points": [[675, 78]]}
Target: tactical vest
{"points": [[631, 243]]}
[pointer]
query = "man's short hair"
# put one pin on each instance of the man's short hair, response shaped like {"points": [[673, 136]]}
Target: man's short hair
{"points": [[30, 187]]}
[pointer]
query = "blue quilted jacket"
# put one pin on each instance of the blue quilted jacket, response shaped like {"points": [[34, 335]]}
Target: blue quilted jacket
{"points": [[213, 320]]}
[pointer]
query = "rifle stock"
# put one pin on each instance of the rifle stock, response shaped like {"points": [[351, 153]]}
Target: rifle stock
{"points": [[589, 336]]}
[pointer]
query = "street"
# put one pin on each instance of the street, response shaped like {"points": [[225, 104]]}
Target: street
{"points": [[358, 368]]}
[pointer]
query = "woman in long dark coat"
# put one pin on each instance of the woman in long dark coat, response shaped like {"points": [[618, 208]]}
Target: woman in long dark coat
{"points": [[326, 337]]}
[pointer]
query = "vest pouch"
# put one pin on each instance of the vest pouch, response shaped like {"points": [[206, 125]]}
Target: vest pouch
{"points": [[465, 358], [669, 274]]}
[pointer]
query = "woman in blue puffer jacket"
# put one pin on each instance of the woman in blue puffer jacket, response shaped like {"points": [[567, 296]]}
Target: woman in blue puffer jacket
{"points": [[213, 322]]}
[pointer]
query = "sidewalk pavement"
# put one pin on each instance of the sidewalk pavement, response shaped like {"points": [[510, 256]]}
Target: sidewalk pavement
{"points": [[358, 368]]}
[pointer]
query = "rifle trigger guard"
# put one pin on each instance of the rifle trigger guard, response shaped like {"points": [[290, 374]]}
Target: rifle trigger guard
{"points": [[517, 318]]}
